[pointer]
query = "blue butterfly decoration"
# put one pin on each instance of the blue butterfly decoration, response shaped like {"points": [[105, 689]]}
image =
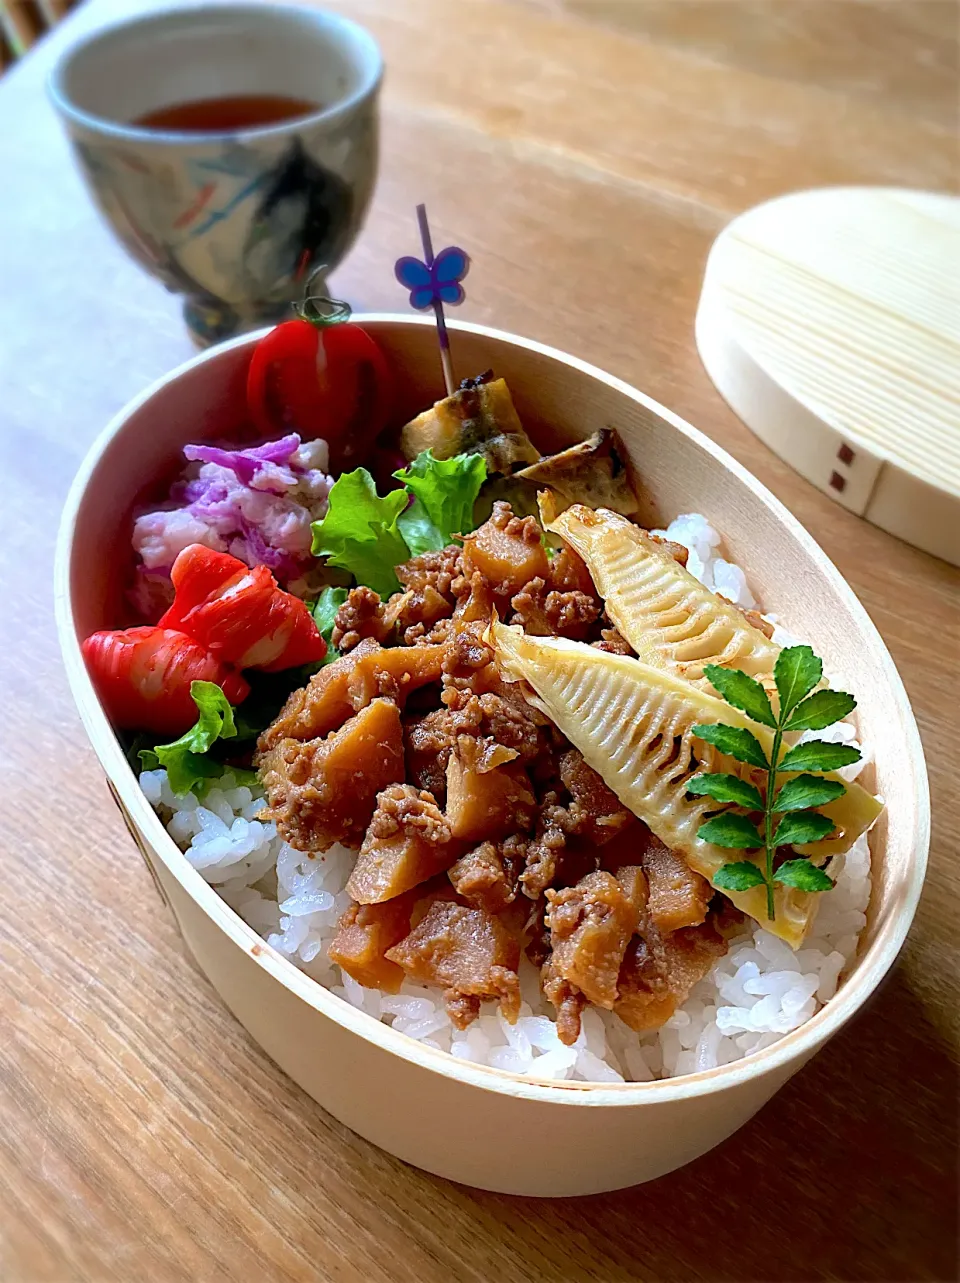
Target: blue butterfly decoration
{"points": [[437, 283]]}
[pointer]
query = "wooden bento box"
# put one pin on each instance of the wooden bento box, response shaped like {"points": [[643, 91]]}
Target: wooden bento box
{"points": [[474, 1124]]}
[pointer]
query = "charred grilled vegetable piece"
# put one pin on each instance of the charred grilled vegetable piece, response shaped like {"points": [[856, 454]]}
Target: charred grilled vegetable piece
{"points": [[478, 419], [634, 726], [669, 618], [594, 472]]}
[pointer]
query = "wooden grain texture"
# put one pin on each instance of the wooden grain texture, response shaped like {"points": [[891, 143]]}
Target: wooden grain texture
{"points": [[586, 153], [829, 325]]}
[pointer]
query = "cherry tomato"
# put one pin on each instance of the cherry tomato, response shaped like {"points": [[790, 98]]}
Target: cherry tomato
{"points": [[329, 381], [239, 614], [143, 677]]}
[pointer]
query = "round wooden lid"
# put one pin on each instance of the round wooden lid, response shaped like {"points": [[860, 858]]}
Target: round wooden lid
{"points": [[830, 322]]}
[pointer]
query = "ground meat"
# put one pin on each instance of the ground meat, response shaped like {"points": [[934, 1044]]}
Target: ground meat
{"points": [[462, 1008], [569, 573], [323, 791], [436, 570], [545, 849], [512, 721], [414, 613], [487, 876], [659, 971], [428, 741], [476, 601], [546, 612], [678, 896], [513, 853], [591, 925], [502, 719], [613, 642], [676, 550], [753, 617], [468, 662], [469, 953], [595, 813], [474, 690], [360, 616], [567, 1000], [407, 842]]}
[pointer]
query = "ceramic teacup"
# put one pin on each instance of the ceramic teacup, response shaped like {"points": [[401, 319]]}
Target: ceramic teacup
{"points": [[234, 220]]}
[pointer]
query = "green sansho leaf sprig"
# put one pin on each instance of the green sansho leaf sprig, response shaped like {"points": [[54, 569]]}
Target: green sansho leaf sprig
{"points": [[788, 814]]}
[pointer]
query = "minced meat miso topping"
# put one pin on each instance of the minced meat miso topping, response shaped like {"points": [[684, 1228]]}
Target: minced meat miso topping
{"points": [[481, 832]]}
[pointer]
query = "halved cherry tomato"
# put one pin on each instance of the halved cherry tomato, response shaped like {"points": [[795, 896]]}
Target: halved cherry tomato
{"points": [[239, 614], [329, 381], [143, 677]]}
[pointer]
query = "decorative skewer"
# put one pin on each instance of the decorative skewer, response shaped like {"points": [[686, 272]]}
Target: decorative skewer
{"points": [[432, 283]]}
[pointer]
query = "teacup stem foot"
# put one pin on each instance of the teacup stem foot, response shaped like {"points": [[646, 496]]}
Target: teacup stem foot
{"points": [[210, 323]]}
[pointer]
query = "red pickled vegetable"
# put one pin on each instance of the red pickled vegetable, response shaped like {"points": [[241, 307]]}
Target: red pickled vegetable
{"points": [[239, 614], [143, 677], [321, 380]]}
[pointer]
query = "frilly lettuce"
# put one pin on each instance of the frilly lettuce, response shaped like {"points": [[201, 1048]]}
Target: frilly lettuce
{"points": [[444, 491], [324, 614], [359, 532], [369, 535], [185, 760]]}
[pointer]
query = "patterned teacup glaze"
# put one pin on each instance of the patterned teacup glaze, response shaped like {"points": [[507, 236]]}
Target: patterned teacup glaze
{"points": [[234, 221]]}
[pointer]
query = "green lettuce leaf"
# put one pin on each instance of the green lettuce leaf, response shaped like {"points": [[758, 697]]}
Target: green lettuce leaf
{"points": [[324, 614], [185, 759], [360, 533], [419, 533], [445, 491]]}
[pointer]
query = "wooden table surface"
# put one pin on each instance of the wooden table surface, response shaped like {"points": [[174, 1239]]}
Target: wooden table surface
{"points": [[587, 151]]}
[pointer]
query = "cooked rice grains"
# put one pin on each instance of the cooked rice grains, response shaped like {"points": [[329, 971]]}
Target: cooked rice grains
{"points": [[756, 993]]}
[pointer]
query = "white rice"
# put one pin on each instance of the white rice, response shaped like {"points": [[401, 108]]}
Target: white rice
{"points": [[756, 993]]}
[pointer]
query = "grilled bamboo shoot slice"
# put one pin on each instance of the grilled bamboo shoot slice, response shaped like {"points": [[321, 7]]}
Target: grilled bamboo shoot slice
{"points": [[633, 723], [669, 618], [595, 472], [479, 418]]}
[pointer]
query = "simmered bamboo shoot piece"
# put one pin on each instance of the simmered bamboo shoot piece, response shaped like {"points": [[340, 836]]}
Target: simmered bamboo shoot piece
{"points": [[669, 618], [634, 725]]}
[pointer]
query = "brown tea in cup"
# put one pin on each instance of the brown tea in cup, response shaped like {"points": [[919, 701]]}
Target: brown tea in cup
{"points": [[229, 112]]}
